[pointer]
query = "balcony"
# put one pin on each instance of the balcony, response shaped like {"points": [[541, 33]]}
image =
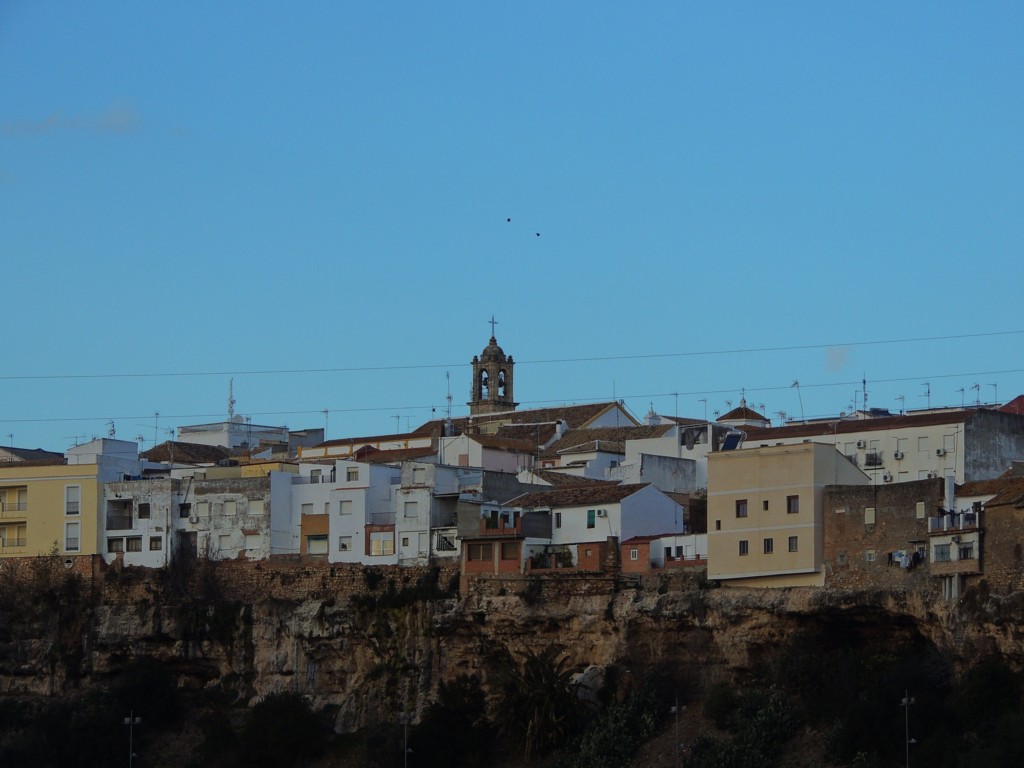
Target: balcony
{"points": [[501, 527], [954, 521], [10, 546], [13, 509]]}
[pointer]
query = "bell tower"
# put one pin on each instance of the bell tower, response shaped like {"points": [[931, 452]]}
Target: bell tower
{"points": [[491, 391]]}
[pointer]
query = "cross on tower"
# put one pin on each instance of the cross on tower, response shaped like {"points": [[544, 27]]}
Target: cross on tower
{"points": [[493, 323]]}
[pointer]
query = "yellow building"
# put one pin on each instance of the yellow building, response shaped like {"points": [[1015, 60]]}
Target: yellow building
{"points": [[41, 506], [765, 519]]}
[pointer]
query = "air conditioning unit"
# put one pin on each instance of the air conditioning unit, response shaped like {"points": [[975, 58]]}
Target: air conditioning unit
{"points": [[887, 477], [955, 539], [940, 451], [193, 518], [931, 475], [861, 444], [897, 455], [602, 513]]}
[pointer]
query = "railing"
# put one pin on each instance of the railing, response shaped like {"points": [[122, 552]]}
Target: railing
{"points": [[959, 521], [490, 527], [119, 522], [6, 544], [13, 508]]}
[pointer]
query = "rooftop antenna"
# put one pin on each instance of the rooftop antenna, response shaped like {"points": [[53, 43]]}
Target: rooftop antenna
{"points": [[156, 425], [705, 401], [398, 423], [864, 387], [111, 429], [716, 413], [782, 416], [327, 415], [728, 403], [676, 396], [977, 393], [448, 397], [140, 440], [995, 394], [928, 393], [903, 403], [796, 384], [10, 436], [961, 391], [231, 399]]}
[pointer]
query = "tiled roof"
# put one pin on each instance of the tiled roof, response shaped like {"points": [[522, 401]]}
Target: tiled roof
{"points": [[31, 454], [584, 439], [563, 480], [373, 455], [1011, 494], [981, 487], [187, 453], [1014, 406], [504, 443], [848, 426], [574, 415], [577, 496], [742, 414], [536, 434]]}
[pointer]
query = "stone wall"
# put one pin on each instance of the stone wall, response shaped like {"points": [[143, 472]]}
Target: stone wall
{"points": [[856, 553]]}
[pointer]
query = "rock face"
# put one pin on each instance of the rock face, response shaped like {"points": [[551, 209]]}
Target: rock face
{"points": [[368, 643]]}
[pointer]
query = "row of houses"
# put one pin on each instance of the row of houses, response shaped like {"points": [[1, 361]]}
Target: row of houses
{"points": [[867, 498]]}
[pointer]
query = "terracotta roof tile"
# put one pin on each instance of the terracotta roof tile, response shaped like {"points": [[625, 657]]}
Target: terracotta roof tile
{"points": [[576, 497], [187, 453], [847, 426]]}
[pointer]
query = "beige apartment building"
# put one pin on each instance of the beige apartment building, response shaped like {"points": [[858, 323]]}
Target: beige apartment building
{"points": [[765, 513]]}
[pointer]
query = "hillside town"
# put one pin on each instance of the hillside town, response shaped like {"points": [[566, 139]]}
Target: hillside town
{"points": [[931, 499]]}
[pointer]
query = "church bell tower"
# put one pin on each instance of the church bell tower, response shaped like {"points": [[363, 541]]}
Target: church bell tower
{"points": [[492, 380]]}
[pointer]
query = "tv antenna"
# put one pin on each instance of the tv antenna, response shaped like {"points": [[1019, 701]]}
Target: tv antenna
{"points": [[928, 393]]}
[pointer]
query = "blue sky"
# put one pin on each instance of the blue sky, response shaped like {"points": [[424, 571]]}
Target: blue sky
{"points": [[313, 199]]}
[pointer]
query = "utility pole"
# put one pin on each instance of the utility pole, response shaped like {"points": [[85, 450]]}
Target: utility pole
{"points": [[905, 702], [131, 721]]}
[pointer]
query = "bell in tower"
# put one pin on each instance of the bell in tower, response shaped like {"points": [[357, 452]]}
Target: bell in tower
{"points": [[492, 380]]}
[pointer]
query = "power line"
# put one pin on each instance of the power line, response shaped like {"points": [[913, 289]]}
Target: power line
{"points": [[549, 402], [428, 366]]}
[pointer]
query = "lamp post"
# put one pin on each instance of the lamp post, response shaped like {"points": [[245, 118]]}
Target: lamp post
{"points": [[905, 702], [676, 709], [131, 721]]}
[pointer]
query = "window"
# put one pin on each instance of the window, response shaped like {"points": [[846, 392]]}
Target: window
{"points": [[133, 544], [792, 543], [71, 537], [634, 553], [184, 509], [510, 550], [72, 499], [256, 506], [869, 556], [411, 509], [841, 558], [792, 505], [942, 553], [345, 543], [144, 510], [419, 475], [203, 508], [156, 543], [405, 541], [922, 444], [316, 545], [558, 519], [315, 475], [224, 542], [480, 551], [668, 553], [965, 552], [769, 546], [230, 507], [307, 509], [345, 507], [869, 515], [253, 541], [591, 518], [919, 508], [115, 545], [744, 547], [352, 474], [382, 543], [741, 508], [764, 505], [718, 525]]}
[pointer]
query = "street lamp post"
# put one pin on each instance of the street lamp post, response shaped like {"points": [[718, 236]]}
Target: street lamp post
{"points": [[905, 702], [131, 721], [679, 747]]}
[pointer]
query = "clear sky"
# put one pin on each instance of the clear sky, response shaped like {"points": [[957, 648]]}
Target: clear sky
{"points": [[312, 198]]}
